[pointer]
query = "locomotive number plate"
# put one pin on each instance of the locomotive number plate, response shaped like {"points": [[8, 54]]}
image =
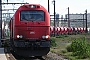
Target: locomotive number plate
{"points": [[32, 32]]}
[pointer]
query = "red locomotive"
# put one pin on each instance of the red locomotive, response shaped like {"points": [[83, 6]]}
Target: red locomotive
{"points": [[30, 30]]}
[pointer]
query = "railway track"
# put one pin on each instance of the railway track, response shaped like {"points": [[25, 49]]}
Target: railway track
{"points": [[12, 56], [9, 54], [50, 56]]}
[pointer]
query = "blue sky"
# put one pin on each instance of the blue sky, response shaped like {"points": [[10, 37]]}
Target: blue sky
{"points": [[75, 6]]}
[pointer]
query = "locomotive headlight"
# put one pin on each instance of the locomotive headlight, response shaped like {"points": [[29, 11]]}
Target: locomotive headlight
{"points": [[17, 36], [20, 36], [45, 37], [32, 6]]}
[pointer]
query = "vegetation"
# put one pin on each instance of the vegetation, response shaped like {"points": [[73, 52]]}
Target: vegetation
{"points": [[73, 47], [79, 48], [61, 36], [53, 42]]}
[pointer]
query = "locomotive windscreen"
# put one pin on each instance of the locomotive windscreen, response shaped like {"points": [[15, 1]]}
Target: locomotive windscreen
{"points": [[32, 15]]}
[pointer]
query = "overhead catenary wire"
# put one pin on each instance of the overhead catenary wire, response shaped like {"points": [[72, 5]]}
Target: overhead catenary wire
{"points": [[63, 11], [40, 1]]}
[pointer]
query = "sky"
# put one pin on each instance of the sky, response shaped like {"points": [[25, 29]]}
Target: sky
{"points": [[75, 6]]}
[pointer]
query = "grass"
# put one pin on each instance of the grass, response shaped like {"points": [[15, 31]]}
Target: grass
{"points": [[63, 41]]}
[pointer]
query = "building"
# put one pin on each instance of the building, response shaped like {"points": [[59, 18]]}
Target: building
{"points": [[78, 20]]}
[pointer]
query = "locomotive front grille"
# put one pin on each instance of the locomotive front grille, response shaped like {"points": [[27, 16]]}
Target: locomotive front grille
{"points": [[29, 44]]}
